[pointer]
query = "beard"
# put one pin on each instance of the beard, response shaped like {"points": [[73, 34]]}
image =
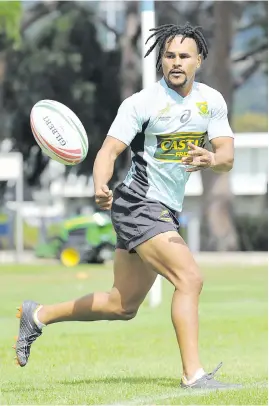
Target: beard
{"points": [[176, 83]]}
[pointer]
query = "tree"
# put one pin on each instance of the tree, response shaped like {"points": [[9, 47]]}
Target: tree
{"points": [[222, 20], [10, 17], [219, 229], [55, 61]]}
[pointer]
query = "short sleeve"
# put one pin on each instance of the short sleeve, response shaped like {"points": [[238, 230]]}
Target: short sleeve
{"points": [[218, 124], [128, 121]]}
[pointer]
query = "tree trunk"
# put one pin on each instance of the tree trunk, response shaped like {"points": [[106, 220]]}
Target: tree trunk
{"points": [[2, 79], [130, 72], [219, 232]]}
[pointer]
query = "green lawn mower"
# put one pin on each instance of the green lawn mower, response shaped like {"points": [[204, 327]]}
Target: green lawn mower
{"points": [[81, 240]]}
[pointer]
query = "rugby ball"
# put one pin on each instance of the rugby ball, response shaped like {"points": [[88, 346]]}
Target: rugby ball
{"points": [[59, 132]]}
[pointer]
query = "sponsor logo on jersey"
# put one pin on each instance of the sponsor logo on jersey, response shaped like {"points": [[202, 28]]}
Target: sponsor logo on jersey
{"points": [[173, 147], [203, 109], [165, 110], [162, 114]]}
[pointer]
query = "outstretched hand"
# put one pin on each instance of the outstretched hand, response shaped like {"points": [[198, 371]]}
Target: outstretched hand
{"points": [[198, 158]]}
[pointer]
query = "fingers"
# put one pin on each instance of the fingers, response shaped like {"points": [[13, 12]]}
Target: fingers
{"points": [[100, 200], [106, 190], [197, 157], [187, 160], [195, 151], [104, 204], [103, 193], [104, 198], [192, 146], [197, 163], [196, 166], [194, 169]]}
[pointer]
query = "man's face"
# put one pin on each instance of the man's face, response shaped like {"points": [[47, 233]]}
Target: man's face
{"points": [[180, 62]]}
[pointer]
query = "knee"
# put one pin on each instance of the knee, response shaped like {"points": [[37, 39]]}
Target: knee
{"points": [[189, 280], [125, 314], [119, 308]]}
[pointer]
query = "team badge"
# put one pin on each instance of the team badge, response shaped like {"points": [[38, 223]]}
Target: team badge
{"points": [[203, 109]]}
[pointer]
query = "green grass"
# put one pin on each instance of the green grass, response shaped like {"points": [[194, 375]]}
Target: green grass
{"points": [[135, 362]]}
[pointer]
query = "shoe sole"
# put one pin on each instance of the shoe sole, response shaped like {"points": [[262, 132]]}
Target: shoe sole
{"points": [[18, 315]]}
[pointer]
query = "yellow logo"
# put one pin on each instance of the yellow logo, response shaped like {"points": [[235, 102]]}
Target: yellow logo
{"points": [[173, 147], [203, 109], [165, 216], [165, 110], [162, 114]]}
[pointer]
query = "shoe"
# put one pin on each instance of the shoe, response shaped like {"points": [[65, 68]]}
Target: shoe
{"points": [[207, 381], [28, 331]]}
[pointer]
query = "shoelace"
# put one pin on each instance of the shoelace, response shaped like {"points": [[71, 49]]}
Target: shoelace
{"points": [[213, 373], [32, 337]]}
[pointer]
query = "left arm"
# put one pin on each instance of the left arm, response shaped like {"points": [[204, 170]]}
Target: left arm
{"points": [[223, 155], [221, 160], [221, 138]]}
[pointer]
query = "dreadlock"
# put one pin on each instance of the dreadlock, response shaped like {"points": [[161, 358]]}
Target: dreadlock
{"points": [[168, 32]]}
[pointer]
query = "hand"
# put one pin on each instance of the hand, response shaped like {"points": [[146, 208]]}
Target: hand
{"points": [[104, 198], [199, 158]]}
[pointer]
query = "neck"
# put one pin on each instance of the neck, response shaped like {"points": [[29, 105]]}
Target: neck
{"points": [[183, 91]]}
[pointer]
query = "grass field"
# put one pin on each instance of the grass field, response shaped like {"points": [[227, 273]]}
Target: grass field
{"points": [[135, 362]]}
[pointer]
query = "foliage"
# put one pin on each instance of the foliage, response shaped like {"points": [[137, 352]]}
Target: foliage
{"points": [[250, 122], [65, 62], [61, 58], [10, 17]]}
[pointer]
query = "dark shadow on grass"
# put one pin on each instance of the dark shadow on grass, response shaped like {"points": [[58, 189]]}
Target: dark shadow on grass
{"points": [[25, 389], [162, 381]]}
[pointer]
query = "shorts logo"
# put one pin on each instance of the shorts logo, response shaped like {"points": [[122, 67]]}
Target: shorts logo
{"points": [[172, 147], [203, 109], [165, 216]]}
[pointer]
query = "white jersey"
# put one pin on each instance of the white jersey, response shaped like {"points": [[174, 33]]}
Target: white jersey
{"points": [[158, 123]]}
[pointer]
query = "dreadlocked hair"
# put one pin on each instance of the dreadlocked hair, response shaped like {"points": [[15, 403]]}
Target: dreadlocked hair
{"points": [[168, 32]]}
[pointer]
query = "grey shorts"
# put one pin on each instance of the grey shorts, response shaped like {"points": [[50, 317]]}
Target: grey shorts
{"points": [[136, 219]]}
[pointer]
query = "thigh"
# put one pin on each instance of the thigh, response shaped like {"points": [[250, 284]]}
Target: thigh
{"points": [[132, 279], [169, 255]]}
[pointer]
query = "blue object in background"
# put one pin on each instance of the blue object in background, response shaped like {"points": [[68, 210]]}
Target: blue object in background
{"points": [[4, 229], [183, 220]]}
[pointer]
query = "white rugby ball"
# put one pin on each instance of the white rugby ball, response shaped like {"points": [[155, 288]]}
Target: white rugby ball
{"points": [[59, 132]]}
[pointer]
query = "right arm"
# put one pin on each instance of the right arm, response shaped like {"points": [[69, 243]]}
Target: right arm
{"points": [[105, 159], [121, 133], [103, 170]]}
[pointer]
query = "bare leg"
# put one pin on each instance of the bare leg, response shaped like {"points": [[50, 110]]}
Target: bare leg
{"points": [[132, 281], [168, 254]]}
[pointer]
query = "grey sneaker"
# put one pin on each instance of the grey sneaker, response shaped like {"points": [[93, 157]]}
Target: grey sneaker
{"points": [[208, 382], [28, 331]]}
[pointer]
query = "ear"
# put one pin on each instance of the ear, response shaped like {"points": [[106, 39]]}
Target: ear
{"points": [[199, 61]]}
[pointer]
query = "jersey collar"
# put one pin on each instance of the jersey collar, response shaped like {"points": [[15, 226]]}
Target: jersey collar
{"points": [[173, 92]]}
